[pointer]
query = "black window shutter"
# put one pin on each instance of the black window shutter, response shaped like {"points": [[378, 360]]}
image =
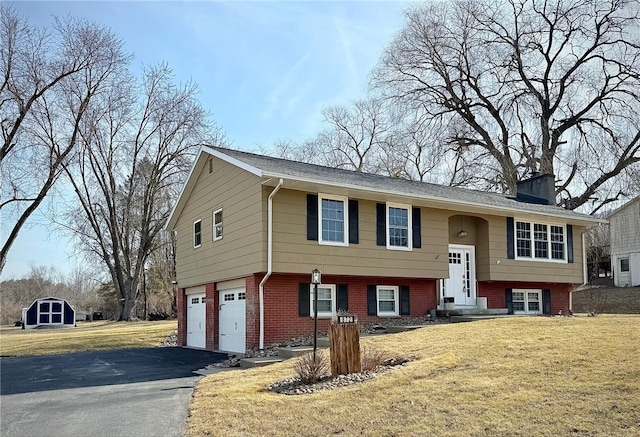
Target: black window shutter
{"points": [[354, 230], [405, 309], [371, 300], [508, 300], [569, 243], [304, 300], [511, 253], [546, 301], [312, 217], [415, 224], [381, 224], [343, 297]]}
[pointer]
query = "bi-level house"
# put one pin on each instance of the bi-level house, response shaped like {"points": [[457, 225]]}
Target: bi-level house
{"points": [[251, 228]]}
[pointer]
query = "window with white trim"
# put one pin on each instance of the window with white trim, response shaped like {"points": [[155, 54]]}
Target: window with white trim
{"points": [[197, 233], [527, 301], [540, 241], [387, 300], [399, 231], [333, 222], [217, 224], [326, 300]]}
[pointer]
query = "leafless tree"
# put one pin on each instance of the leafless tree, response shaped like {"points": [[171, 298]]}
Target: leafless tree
{"points": [[136, 146], [48, 77], [355, 136], [534, 86]]}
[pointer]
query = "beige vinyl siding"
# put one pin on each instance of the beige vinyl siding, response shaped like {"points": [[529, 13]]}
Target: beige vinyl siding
{"points": [[242, 250], [293, 253], [500, 268]]}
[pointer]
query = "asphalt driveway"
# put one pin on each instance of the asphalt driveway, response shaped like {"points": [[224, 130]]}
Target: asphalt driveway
{"points": [[127, 392]]}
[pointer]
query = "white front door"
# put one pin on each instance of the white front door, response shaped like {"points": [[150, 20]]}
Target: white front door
{"points": [[233, 320], [461, 284], [196, 318]]}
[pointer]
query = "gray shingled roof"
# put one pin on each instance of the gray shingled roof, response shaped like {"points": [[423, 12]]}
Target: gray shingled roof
{"points": [[277, 167]]}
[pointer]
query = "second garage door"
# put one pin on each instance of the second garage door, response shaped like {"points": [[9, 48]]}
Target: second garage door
{"points": [[233, 320]]}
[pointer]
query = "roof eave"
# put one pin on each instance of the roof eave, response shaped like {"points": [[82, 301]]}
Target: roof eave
{"points": [[584, 221]]}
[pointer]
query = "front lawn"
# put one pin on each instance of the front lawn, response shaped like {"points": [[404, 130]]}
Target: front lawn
{"points": [[538, 376], [86, 336]]}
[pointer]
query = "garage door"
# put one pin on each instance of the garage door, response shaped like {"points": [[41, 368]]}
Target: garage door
{"points": [[196, 316], [233, 320]]}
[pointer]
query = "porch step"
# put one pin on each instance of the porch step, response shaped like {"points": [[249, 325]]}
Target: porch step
{"points": [[475, 317], [295, 351], [396, 329], [473, 312], [259, 361]]}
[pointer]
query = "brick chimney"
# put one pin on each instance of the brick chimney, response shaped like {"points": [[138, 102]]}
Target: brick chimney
{"points": [[539, 189]]}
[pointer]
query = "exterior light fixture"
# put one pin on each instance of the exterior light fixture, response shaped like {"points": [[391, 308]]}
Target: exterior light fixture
{"points": [[316, 278], [462, 233]]}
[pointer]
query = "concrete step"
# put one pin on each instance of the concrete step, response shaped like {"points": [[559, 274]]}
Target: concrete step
{"points": [[295, 351], [259, 361], [396, 329], [472, 318], [473, 312]]}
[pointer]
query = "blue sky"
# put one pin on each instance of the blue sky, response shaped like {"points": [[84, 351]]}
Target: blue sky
{"points": [[264, 69]]}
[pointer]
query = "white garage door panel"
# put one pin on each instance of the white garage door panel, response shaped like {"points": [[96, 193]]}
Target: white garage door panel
{"points": [[233, 320], [196, 320]]}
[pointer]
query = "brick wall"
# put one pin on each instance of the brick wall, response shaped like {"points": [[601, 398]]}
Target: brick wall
{"points": [[211, 329], [181, 299], [495, 293], [283, 322]]}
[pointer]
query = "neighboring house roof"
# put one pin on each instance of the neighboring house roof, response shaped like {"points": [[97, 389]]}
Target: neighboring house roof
{"points": [[623, 207], [276, 168]]}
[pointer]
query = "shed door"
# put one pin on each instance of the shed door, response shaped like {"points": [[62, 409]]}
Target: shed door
{"points": [[196, 318], [233, 320]]}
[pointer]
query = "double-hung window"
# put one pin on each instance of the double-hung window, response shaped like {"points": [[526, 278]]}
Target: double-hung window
{"points": [[197, 233], [387, 300], [540, 241], [527, 301], [326, 300], [399, 228], [217, 224], [334, 220]]}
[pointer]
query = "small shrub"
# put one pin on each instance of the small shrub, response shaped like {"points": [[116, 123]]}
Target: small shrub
{"points": [[310, 371], [596, 301], [371, 359]]}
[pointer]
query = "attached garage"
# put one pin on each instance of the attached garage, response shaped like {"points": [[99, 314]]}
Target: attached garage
{"points": [[196, 317], [48, 312], [233, 319]]}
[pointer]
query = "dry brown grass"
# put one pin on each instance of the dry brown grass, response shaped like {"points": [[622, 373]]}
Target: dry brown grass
{"points": [[509, 377], [86, 336]]}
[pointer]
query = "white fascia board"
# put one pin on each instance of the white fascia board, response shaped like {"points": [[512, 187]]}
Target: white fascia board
{"points": [[490, 208], [251, 169]]}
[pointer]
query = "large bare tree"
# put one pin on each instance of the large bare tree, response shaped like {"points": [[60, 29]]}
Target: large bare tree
{"points": [[48, 77], [136, 146], [549, 86]]}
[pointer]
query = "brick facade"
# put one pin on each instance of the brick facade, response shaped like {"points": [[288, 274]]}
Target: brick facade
{"points": [[181, 299], [495, 293], [282, 320]]}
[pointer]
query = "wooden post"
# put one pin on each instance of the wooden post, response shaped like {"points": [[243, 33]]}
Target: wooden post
{"points": [[344, 346]]}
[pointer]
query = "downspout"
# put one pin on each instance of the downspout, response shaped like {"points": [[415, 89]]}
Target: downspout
{"points": [[269, 259], [585, 271]]}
